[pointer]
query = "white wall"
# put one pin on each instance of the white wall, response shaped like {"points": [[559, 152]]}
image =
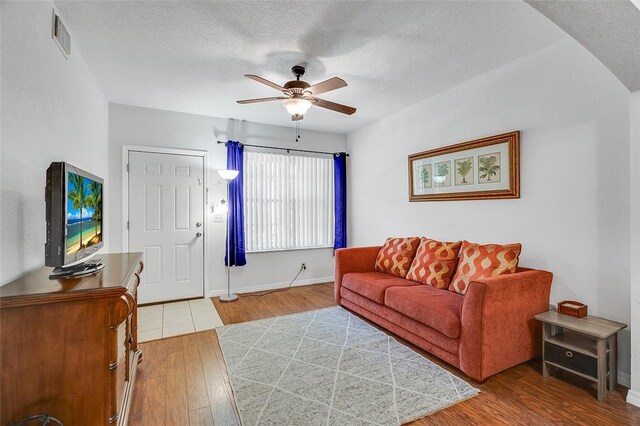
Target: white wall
{"points": [[573, 214], [155, 128], [634, 394], [52, 110]]}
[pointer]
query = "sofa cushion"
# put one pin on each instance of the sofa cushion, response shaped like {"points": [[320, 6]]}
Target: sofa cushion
{"points": [[392, 320], [484, 261], [434, 263], [372, 285], [436, 308], [396, 256]]}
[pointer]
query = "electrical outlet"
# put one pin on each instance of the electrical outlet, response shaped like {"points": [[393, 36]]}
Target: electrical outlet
{"points": [[303, 266], [552, 307]]}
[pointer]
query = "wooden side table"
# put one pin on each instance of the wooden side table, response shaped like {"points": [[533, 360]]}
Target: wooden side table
{"points": [[583, 346]]}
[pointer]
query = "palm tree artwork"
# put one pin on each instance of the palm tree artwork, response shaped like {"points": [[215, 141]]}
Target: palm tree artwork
{"points": [[77, 196], [94, 201], [442, 171], [425, 176], [463, 168], [488, 166]]}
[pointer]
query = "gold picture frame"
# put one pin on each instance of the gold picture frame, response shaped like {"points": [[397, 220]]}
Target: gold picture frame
{"points": [[481, 169]]}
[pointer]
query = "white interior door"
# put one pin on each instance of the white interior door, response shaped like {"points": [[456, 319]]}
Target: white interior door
{"points": [[166, 216]]}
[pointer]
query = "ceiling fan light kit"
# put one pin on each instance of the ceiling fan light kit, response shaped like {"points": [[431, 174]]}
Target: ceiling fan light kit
{"points": [[296, 106], [300, 95]]}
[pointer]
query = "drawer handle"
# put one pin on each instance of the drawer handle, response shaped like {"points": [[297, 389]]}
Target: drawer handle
{"points": [[569, 354]]}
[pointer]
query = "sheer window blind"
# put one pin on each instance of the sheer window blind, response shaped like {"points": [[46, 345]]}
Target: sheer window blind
{"points": [[288, 201]]}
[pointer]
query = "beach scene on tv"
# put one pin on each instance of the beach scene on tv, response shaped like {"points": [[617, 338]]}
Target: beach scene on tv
{"points": [[84, 213]]}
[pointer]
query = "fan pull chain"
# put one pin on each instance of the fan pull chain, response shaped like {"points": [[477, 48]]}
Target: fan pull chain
{"points": [[298, 137]]}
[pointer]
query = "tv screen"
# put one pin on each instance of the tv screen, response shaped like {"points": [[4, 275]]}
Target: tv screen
{"points": [[84, 212], [73, 213]]}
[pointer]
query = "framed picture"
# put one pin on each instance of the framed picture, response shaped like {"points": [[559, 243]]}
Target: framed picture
{"points": [[475, 170]]}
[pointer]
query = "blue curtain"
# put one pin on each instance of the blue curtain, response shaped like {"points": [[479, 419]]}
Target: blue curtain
{"points": [[340, 195], [236, 209]]}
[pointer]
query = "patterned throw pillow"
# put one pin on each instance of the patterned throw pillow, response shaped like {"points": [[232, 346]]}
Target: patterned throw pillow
{"points": [[396, 255], [483, 261], [435, 263]]}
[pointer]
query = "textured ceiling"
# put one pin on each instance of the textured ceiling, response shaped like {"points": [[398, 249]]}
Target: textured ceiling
{"points": [[191, 56], [608, 29]]}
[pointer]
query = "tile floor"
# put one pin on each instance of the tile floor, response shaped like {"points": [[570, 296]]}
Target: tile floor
{"points": [[173, 319]]}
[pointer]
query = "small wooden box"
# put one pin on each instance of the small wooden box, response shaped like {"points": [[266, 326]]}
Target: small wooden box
{"points": [[572, 308]]}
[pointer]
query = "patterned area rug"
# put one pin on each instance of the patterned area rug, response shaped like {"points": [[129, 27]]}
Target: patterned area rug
{"points": [[329, 367]]}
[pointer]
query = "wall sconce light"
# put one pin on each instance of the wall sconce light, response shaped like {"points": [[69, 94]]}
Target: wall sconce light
{"points": [[222, 207]]}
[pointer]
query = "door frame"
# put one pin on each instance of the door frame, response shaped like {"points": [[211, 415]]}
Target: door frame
{"points": [[126, 149]]}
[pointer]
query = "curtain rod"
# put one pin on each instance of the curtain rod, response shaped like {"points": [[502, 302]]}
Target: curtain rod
{"points": [[286, 149]]}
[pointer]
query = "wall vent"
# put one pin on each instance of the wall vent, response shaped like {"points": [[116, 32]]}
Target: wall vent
{"points": [[60, 35]]}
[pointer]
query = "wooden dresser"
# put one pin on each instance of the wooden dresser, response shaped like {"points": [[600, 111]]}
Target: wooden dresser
{"points": [[69, 347]]}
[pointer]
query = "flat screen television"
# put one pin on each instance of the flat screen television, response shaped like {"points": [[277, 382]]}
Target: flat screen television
{"points": [[74, 217]]}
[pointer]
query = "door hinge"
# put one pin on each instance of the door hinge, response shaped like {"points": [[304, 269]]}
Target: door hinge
{"points": [[127, 167], [127, 225]]}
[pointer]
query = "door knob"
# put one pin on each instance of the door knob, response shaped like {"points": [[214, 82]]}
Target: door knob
{"points": [[198, 224], [199, 234]]}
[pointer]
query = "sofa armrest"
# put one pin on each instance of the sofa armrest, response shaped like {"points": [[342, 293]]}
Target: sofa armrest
{"points": [[498, 330], [353, 259]]}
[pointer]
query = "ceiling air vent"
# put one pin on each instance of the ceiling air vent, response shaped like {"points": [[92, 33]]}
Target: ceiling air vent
{"points": [[61, 35]]}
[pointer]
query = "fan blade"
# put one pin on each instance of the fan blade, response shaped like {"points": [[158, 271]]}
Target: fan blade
{"points": [[333, 106], [253, 101], [264, 81], [327, 85]]}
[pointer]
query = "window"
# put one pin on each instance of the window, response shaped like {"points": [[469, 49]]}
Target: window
{"points": [[288, 202]]}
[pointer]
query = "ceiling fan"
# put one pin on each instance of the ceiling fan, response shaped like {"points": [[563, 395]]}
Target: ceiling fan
{"points": [[300, 95]]}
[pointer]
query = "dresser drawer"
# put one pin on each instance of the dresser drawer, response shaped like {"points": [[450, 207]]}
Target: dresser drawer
{"points": [[573, 360]]}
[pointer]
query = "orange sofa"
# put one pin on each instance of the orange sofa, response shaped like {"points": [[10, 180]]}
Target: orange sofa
{"points": [[487, 330]]}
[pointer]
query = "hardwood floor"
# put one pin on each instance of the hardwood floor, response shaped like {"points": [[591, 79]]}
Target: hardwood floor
{"points": [[297, 299], [183, 381]]}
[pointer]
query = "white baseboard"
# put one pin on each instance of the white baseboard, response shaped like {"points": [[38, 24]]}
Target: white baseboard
{"points": [[273, 286], [624, 379], [633, 397]]}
